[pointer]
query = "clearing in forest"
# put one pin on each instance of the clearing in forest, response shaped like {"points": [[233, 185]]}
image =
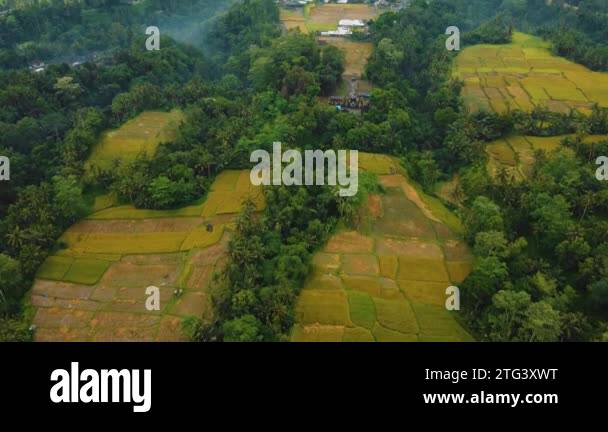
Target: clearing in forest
{"points": [[356, 54], [387, 280], [313, 18], [140, 135], [94, 287], [525, 74]]}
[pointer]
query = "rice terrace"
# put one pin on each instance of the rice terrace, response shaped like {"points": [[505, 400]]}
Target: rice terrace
{"points": [[388, 282], [126, 165], [93, 288], [525, 74]]}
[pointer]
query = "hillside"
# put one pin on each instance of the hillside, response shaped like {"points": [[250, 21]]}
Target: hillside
{"points": [[386, 282], [94, 287]]}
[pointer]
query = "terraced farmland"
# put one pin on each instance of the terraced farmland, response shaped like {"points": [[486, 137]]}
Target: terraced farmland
{"points": [[93, 289], [140, 135], [525, 74], [388, 283], [515, 154]]}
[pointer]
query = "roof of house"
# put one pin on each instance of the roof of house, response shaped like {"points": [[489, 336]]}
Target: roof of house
{"points": [[351, 23]]}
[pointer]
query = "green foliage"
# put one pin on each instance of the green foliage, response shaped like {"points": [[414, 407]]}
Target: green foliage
{"points": [[10, 283]]}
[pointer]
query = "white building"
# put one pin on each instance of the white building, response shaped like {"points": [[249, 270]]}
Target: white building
{"points": [[350, 23], [341, 31]]}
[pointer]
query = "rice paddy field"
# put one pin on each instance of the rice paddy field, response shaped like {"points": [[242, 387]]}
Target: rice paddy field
{"points": [[93, 287], [140, 135], [315, 18], [525, 74], [387, 282], [515, 154]]}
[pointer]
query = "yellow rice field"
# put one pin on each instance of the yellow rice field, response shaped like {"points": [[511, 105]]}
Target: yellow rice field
{"points": [[525, 74], [93, 287], [140, 135], [386, 283]]}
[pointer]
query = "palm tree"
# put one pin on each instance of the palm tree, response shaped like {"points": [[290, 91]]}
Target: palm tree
{"points": [[16, 238]]}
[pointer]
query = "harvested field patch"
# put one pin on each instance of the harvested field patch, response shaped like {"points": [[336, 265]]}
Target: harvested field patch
{"points": [[459, 270], [408, 248], [332, 13], [325, 262], [402, 217], [324, 282], [354, 264], [317, 333], [349, 242]]}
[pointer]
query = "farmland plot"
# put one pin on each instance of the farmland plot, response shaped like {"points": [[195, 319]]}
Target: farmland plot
{"points": [[94, 287], [387, 284], [525, 74]]}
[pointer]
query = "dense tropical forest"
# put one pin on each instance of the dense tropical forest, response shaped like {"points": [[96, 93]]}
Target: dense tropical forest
{"points": [[540, 244]]}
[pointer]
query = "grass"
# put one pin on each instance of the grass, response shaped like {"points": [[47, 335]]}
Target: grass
{"points": [[525, 74]]}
